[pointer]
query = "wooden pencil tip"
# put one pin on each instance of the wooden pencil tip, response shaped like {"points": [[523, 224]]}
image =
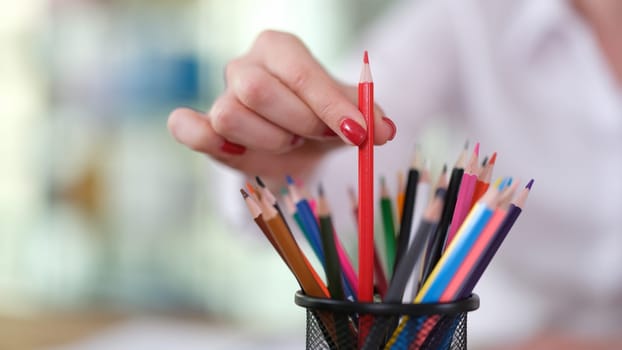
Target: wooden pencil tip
{"points": [[244, 194], [365, 57], [529, 184], [259, 182]]}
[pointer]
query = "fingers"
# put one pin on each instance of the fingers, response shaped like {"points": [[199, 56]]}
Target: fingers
{"points": [[385, 129], [193, 130], [262, 93], [285, 57], [234, 122]]}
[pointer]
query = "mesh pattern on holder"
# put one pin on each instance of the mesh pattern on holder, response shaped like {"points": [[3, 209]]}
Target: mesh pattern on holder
{"points": [[341, 328]]}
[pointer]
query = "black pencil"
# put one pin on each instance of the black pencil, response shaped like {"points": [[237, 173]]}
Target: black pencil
{"points": [[408, 210], [437, 241]]}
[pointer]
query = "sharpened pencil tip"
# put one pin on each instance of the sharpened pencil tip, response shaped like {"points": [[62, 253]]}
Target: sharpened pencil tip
{"points": [[529, 184], [476, 149], [466, 144], [493, 159], [320, 189], [366, 57], [249, 187], [445, 168], [484, 161], [244, 194], [284, 191], [259, 182], [290, 180], [382, 181]]}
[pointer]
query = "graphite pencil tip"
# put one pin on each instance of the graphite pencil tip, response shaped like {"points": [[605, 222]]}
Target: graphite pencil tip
{"points": [[259, 182], [320, 189], [366, 57], [284, 191], [444, 168], [244, 194], [484, 161], [466, 145], [529, 184]]}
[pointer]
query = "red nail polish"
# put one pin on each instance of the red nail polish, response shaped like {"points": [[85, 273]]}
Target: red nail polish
{"points": [[353, 131], [329, 133], [232, 148], [391, 124]]}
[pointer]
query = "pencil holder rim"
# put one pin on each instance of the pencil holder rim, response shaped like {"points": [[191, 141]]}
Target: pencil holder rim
{"points": [[471, 303]]}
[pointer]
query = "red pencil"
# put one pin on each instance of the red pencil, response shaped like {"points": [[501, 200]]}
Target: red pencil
{"points": [[366, 187], [366, 198]]}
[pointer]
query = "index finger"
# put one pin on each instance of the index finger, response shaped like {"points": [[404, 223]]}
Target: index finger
{"points": [[286, 57]]}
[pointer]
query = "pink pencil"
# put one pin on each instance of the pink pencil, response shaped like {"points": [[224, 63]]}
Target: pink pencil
{"points": [[346, 267], [479, 248], [465, 196]]}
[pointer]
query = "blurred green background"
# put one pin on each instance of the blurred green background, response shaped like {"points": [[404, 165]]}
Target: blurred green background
{"points": [[104, 219]]}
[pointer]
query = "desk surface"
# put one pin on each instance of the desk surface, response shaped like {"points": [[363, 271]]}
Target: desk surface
{"points": [[95, 331]]}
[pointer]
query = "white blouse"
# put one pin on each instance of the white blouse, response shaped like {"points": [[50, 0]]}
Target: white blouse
{"points": [[526, 79]]}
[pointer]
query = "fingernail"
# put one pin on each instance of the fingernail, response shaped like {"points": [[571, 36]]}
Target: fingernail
{"points": [[353, 131], [391, 124], [329, 133], [232, 148], [297, 140]]}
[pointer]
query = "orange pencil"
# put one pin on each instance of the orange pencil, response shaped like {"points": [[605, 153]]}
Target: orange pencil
{"points": [[483, 180]]}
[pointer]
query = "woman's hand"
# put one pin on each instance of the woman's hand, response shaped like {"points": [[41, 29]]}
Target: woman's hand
{"points": [[279, 114]]}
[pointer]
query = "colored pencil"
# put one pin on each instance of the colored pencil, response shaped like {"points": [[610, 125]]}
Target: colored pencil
{"points": [[468, 267], [483, 180], [308, 219], [308, 279], [388, 225], [366, 195], [404, 269], [255, 211], [366, 186], [455, 253], [399, 198], [513, 213], [333, 266], [465, 195], [408, 210], [435, 248]]}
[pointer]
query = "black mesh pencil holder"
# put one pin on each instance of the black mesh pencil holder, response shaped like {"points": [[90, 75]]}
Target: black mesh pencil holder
{"points": [[345, 325]]}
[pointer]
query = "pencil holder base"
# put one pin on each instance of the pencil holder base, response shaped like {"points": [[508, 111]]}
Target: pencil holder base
{"points": [[345, 325]]}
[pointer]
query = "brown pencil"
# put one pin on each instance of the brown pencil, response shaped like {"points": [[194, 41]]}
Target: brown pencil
{"points": [[308, 278]]}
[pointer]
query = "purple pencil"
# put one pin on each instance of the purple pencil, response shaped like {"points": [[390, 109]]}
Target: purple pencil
{"points": [[515, 209]]}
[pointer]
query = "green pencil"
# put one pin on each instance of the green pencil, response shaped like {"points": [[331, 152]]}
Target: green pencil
{"points": [[388, 224]]}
